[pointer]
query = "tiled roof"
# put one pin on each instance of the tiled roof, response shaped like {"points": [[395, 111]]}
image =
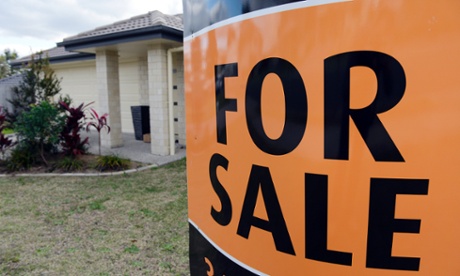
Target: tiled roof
{"points": [[55, 54], [153, 18], [50, 53], [136, 28], [12, 80]]}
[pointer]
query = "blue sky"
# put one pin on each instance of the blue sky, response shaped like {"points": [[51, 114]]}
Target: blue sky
{"points": [[29, 26]]}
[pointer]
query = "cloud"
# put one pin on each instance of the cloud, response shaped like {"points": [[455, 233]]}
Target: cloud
{"points": [[54, 20]]}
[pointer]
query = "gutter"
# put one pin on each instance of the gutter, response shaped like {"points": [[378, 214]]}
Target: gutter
{"points": [[152, 32], [58, 59], [172, 144]]}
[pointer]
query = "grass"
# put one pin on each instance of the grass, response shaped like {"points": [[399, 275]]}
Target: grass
{"points": [[8, 131], [134, 224]]}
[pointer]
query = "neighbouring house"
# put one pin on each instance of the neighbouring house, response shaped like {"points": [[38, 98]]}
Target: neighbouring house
{"points": [[6, 89], [137, 63]]}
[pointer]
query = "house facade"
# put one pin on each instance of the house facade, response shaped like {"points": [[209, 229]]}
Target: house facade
{"points": [[130, 63], [6, 90]]}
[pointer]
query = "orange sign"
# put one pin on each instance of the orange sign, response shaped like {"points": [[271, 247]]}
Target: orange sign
{"points": [[323, 138]]}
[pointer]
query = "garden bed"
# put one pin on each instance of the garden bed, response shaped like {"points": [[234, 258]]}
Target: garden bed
{"points": [[85, 163]]}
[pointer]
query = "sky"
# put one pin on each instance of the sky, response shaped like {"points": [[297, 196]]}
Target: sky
{"points": [[28, 26]]}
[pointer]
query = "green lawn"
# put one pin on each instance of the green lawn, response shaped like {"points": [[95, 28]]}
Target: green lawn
{"points": [[135, 224], [8, 131]]}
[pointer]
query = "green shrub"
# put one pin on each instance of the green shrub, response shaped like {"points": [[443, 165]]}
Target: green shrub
{"points": [[40, 126], [111, 162], [22, 158], [69, 164], [5, 142]]}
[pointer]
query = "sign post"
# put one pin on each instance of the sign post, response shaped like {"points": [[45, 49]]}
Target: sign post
{"points": [[323, 137]]}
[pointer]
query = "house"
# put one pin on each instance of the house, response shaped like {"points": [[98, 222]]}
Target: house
{"points": [[6, 86], [134, 62]]}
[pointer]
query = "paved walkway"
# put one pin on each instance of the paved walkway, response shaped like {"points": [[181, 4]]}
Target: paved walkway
{"points": [[134, 150]]}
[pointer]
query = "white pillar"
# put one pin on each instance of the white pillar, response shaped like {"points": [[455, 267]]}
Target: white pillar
{"points": [[179, 97], [143, 81], [158, 99], [109, 96]]}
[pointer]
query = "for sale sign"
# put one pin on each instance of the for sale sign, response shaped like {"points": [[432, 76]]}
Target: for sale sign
{"points": [[323, 137]]}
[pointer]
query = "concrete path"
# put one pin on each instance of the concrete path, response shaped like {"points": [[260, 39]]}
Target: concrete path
{"points": [[134, 150]]}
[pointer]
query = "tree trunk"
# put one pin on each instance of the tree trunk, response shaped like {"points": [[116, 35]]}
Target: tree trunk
{"points": [[42, 154]]}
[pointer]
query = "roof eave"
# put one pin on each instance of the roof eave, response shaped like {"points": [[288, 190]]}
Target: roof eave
{"points": [[153, 32], [70, 58], [58, 59]]}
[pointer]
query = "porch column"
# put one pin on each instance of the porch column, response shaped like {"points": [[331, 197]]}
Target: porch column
{"points": [[158, 99], [109, 96]]}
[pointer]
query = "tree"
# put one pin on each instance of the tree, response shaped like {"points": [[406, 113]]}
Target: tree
{"points": [[38, 129], [39, 84], [5, 58]]}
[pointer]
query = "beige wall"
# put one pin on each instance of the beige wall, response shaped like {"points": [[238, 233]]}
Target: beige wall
{"points": [[78, 80]]}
